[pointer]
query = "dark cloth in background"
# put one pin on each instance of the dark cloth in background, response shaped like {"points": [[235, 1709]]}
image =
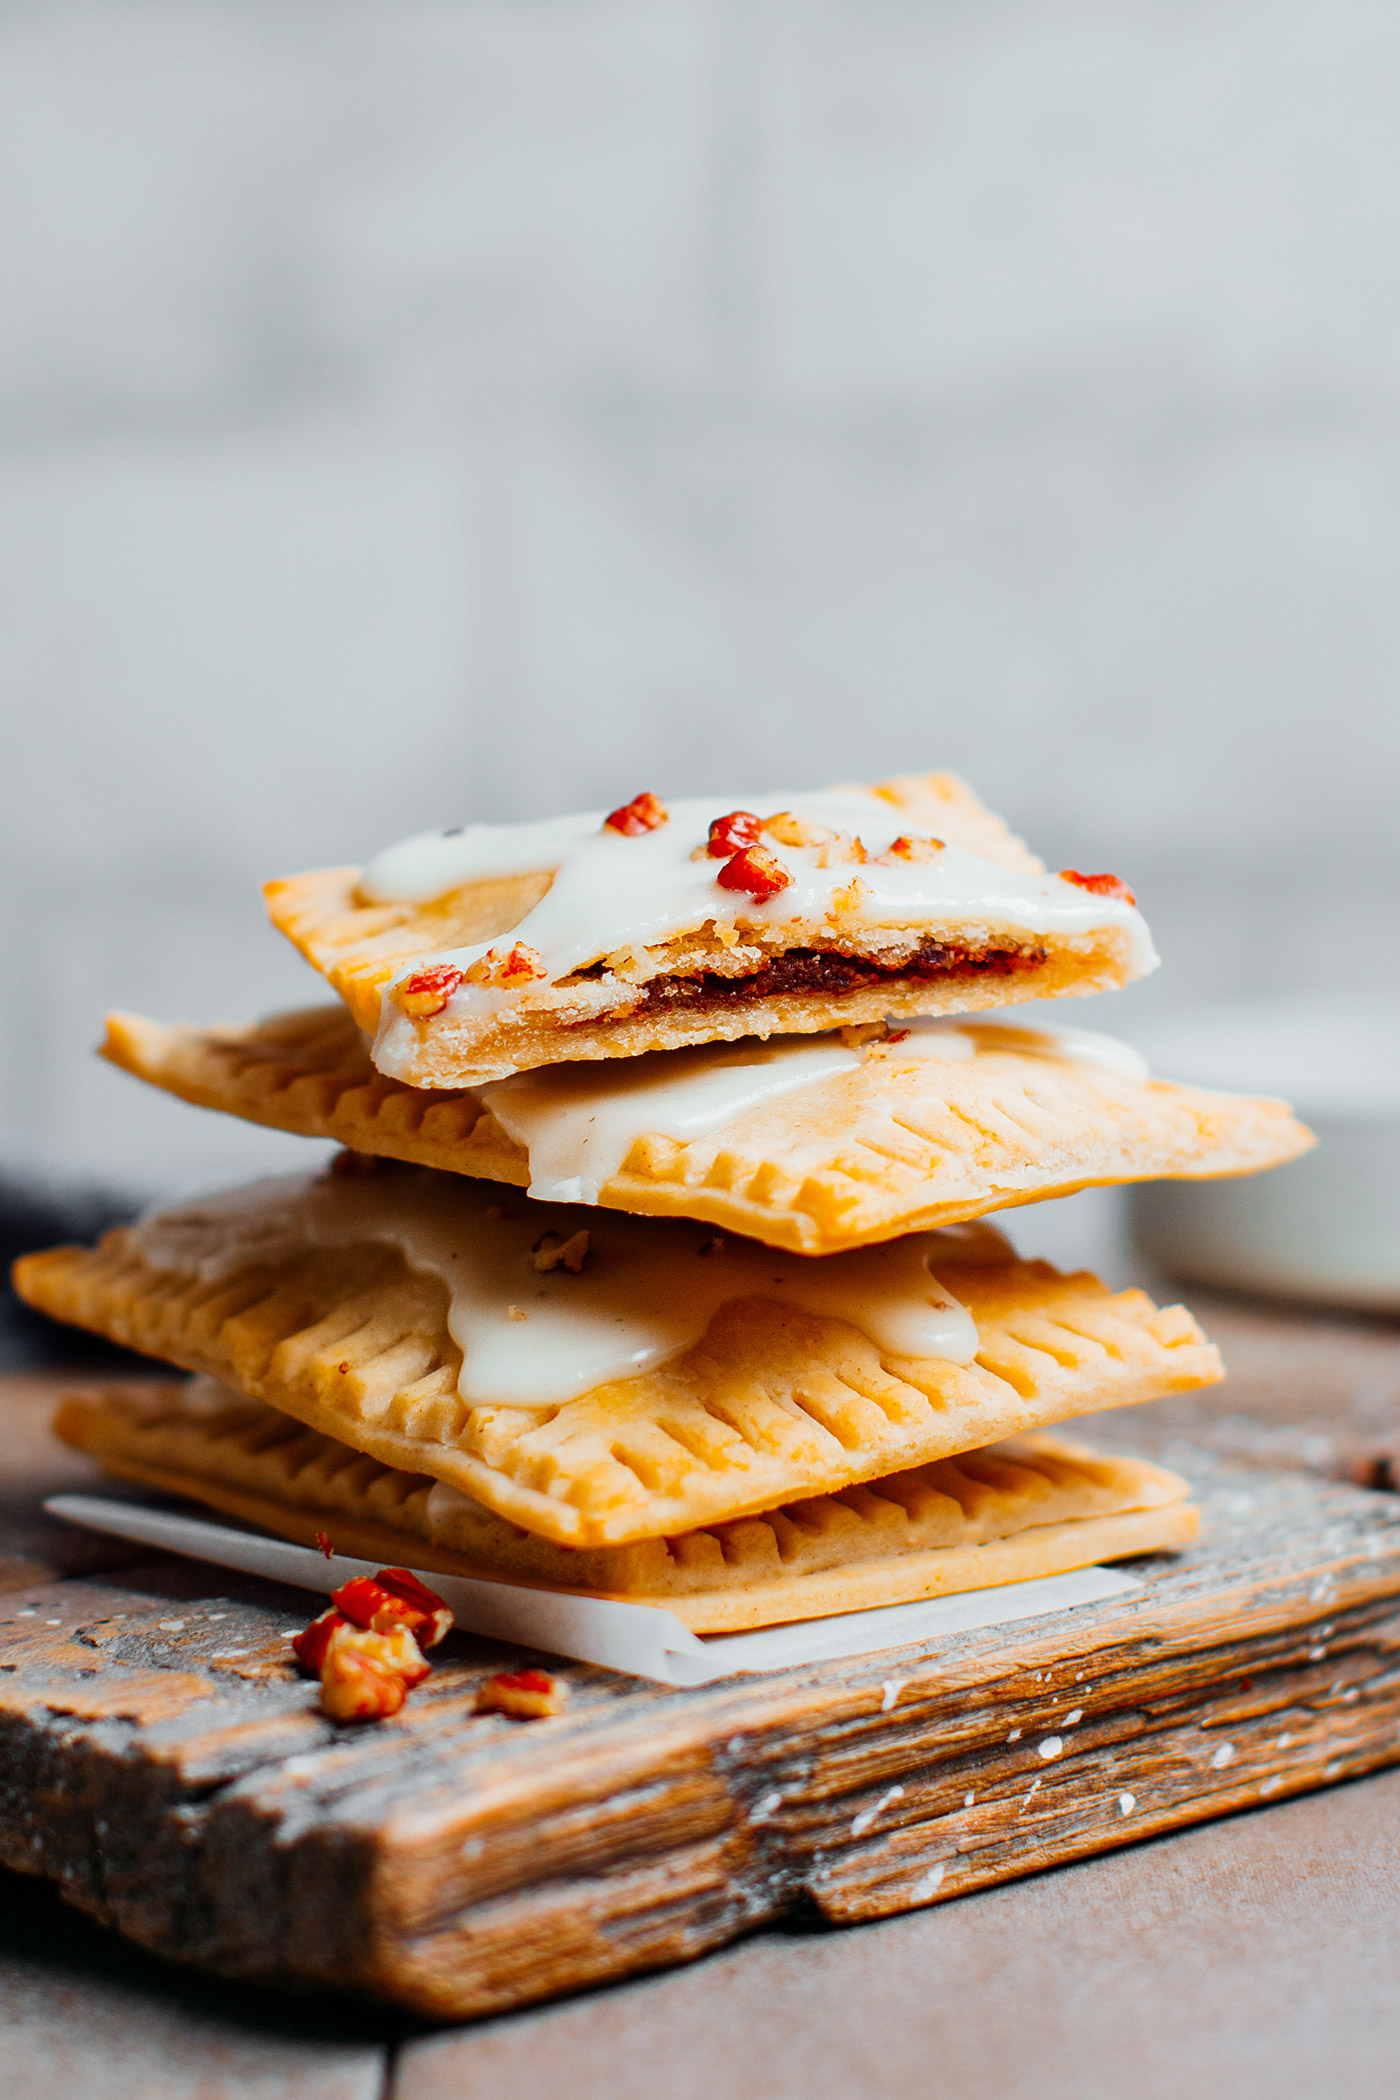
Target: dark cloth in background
{"points": [[32, 1216]]}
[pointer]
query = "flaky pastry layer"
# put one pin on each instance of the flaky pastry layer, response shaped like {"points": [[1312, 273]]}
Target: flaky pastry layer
{"points": [[1035, 1506], [770, 1404], [899, 1145], [360, 947]]}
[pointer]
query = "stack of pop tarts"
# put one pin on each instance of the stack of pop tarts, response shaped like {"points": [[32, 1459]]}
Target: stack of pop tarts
{"points": [[746, 1348]]}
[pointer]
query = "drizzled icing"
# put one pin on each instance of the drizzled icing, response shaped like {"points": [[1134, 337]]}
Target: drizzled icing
{"points": [[646, 1292], [1077, 1046], [613, 894], [579, 1122], [939, 1035], [434, 862]]}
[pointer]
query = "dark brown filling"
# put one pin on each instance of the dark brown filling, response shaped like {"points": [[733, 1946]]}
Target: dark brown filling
{"points": [[820, 970]]}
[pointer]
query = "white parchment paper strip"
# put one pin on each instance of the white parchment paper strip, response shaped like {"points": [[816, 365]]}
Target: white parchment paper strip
{"points": [[642, 1639]]}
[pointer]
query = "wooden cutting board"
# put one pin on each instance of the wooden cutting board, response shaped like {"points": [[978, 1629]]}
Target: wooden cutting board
{"points": [[161, 1761]]}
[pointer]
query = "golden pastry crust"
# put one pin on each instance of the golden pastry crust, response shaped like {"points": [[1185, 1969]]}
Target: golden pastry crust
{"points": [[770, 1404], [899, 1145], [360, 946], [1032, 1507]]}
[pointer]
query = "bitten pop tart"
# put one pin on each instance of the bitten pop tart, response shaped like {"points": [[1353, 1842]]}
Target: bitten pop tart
{"points": [[491, 949]]}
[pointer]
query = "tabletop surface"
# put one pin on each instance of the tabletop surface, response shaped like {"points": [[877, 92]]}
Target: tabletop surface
{"points": [[1251, 1955]]}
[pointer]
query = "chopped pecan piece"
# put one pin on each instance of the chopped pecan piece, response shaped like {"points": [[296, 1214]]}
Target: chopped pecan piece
{"points": [[528, 1695], [392, 1646], [397, 1654], [426, 992], [756, 871], [791, 830], [438, 1621], [1101, 885], [850, 895], [310, 1645], [391, 1599], [358, 1687], [840, 848], [359, 1599], [906, 848], [832, 848], [522, 965], [642, 813], [731, 834]]}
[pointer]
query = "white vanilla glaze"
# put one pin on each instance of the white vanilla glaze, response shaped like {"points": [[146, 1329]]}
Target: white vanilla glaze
{"points": [[579, 1122], [646, 1292], [434, 862], [939, 1036], [1080, 1046], [612, 893]]}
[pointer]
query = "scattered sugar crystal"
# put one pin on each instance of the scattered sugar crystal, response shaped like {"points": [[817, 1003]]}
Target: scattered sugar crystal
{"points": [[1225, 1755], [1072, 1720], [867, 1816], [1052, 1746], [1126, 1804]]}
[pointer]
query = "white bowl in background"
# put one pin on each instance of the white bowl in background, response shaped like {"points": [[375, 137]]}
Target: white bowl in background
{"points": [[1326, 1227]]}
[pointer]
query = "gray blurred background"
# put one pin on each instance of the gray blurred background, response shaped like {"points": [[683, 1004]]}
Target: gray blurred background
{"points": [[419, 412]]}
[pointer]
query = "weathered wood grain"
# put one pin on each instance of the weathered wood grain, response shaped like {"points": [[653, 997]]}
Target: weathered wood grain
{"points": [[160, 1760]]}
